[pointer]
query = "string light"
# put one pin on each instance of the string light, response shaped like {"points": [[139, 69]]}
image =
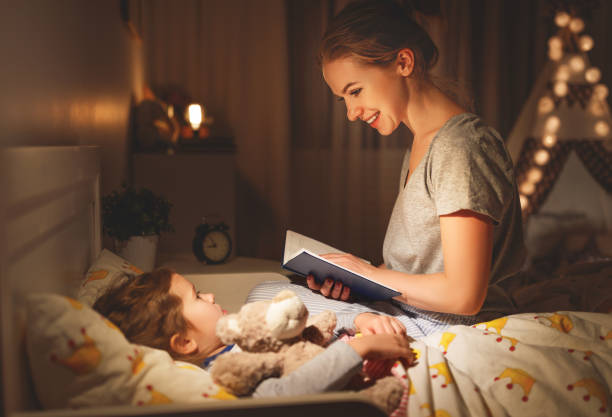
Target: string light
{"points": [[541, 157], [563, 72], [600, 91], [524, 202], [555, 54], [545, 105], [576, 25], [560, 88], [527, 188], [597, 108], [549, 140], [534, 175], [586, 43], [602, 128], [592, 75], [562, 19], [576, 63], [553, 123]]}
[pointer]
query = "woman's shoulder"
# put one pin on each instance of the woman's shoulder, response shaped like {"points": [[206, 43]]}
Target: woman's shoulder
{"points": [[467, 137], [468, 128], [467, 132]]}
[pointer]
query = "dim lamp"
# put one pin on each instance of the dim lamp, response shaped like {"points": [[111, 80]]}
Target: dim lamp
{"points": [[195, 116]]}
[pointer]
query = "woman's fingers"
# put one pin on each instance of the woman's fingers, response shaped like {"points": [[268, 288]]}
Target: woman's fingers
{"points": [[329, 288]]}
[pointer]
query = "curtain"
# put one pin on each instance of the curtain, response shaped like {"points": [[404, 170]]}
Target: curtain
{"points": [[231, 55], [301, 164]]}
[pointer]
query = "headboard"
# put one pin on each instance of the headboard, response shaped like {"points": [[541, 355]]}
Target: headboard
{"points": [[50, 234]]}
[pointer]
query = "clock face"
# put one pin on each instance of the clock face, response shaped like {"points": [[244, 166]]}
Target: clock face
{"points": [[216, 246]]}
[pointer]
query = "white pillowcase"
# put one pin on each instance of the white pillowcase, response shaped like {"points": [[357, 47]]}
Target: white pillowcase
{"points": [[78, 359], [104, 272]]}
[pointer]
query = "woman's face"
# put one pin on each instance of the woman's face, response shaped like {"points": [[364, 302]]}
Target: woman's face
{"points": [[201, 312], [377, 95]]}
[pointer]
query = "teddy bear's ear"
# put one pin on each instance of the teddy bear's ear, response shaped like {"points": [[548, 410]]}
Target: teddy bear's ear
{"points": [[228, 329]]}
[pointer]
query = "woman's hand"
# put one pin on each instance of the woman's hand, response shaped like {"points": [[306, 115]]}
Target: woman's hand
{"points": [[329, 288], [335, 289], [382, 346], [371, 323]]}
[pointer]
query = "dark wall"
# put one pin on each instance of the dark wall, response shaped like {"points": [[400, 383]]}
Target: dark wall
{"points": [[68, 71]]}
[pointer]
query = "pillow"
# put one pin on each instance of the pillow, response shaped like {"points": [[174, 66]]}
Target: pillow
{"points": [[79, 359], [104, 272]]}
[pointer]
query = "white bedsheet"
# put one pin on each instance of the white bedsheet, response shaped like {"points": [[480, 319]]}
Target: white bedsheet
{"points": [[551, 364]]}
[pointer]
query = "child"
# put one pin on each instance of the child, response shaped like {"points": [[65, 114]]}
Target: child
{"points": [[163, 310]]}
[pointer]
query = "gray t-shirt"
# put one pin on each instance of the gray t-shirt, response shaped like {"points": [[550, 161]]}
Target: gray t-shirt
{"points": [[467, 167]]}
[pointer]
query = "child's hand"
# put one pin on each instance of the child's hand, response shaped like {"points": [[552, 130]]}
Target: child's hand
{"points": [[370, 323], [382, 346]]}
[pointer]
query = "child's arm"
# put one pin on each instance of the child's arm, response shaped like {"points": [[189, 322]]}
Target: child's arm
{"points": [[317, 376]]}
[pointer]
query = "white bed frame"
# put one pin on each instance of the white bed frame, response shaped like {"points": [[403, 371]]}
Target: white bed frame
{"points": [[49, 234]]}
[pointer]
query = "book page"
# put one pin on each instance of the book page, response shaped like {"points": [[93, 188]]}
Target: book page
{"points": [[295, 242]]}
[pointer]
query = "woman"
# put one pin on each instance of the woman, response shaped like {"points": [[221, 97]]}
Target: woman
{"points": [[163, 310], [455, 232]]}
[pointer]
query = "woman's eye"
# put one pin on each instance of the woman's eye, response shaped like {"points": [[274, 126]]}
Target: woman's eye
{"points": [[355, 92]]}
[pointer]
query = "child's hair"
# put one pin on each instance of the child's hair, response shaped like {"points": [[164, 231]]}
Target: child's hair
{"points": [[373, 32], [145, 310]]}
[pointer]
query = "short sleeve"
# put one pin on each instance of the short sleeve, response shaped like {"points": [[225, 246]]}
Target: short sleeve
{"points": [[470, 171]]}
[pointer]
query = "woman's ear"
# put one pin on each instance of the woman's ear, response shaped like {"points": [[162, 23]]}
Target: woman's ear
{"points": [[405, 62], [182, 344]]}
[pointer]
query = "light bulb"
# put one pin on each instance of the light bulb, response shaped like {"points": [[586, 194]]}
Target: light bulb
{"points": [[534, 175], [524, 202], [602, 128], [555, 54], [563, 73], [552, 124], [562, 19], [555, 42], [545, 105], [596, 107], [549, 140], [560, 88], [541, 157], [527, 188], [576, 25], [576, 63], [194, 115], [592, 75], [586, 43], [600, 91]]}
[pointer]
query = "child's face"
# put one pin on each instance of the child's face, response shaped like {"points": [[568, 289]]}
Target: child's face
{"points": [[201, 312]]}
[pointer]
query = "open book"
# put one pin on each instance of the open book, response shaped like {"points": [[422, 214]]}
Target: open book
{"points": [[301, 256]]}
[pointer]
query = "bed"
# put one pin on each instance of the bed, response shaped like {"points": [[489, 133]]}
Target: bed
{"points": [[557, 361], [50, 235]]}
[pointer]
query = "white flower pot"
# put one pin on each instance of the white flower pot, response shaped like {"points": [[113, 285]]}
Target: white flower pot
{"points": [[139, 250]]}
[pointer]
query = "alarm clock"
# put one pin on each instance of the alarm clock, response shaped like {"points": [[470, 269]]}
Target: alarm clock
{"points": [[212, 244]]}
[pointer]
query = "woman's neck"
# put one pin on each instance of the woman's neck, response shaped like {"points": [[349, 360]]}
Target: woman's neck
{"points": [[428, 109]]}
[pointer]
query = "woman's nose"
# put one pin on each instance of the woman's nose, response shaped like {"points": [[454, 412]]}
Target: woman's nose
{"points": [[210, 297], [352, 112]]}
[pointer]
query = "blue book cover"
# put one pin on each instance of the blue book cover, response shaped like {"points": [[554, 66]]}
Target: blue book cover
{"points": [[305, 260]]}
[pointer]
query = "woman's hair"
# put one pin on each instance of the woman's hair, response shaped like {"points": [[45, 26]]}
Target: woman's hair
{"points": [[373, 32], [145, 310]]}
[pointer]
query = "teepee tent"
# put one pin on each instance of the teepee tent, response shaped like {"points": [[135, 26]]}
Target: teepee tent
{"points": [[562, 140]]}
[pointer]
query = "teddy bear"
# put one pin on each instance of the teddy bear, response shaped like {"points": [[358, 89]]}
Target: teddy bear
{"points": [[276, 337]]}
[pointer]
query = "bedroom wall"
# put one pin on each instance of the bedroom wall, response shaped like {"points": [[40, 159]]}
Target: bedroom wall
{"points": [[69, 72]]}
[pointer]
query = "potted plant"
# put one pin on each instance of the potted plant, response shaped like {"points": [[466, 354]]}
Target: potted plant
{"points": [[134, 219]]}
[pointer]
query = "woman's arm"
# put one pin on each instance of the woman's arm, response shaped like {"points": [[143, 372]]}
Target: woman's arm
{"points": [[467, 244]]}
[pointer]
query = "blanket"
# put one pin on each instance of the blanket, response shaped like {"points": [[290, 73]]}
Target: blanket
{"points": [[553, 364]]}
